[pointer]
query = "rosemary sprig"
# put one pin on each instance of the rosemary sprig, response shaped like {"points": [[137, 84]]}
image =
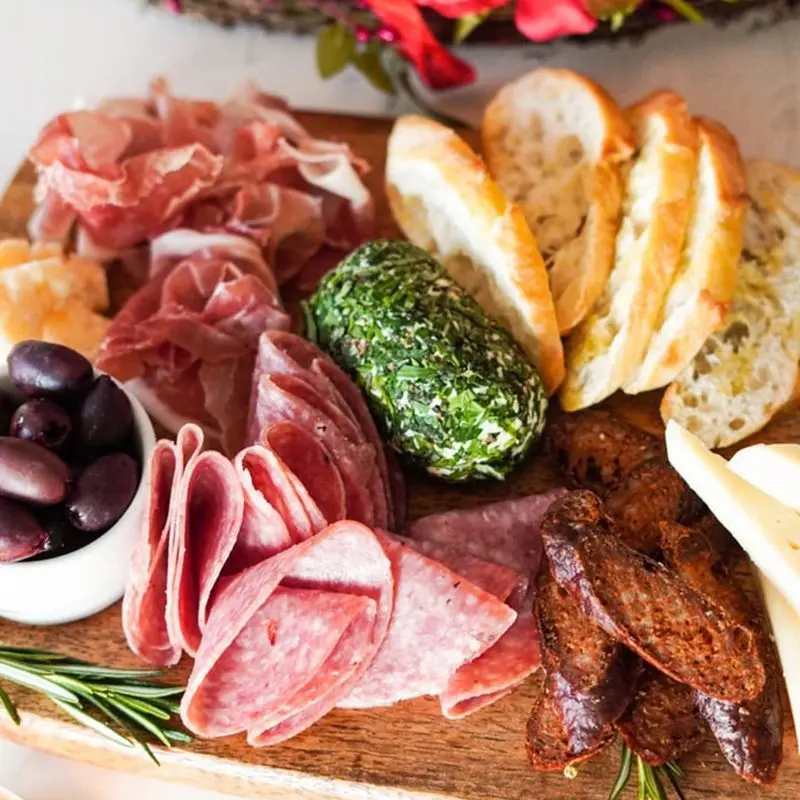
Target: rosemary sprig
{"points": [[126, 706], [650, 781]]}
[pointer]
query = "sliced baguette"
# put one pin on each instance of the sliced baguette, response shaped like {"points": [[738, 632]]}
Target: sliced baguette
{"points": [[445, 201], [604, 351], [554, 141], [702, 289], [748, 370]]}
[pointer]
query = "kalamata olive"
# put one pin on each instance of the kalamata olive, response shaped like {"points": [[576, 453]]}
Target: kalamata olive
{"points": [[31, 473], [6, 410], [43, 369], [106, 416], [43, 422], [63, 537], [102, 492], [21, 534]]}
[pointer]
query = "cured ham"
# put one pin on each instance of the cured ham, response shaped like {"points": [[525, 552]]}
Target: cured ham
{"points": [[133, 169], [188, 338]]}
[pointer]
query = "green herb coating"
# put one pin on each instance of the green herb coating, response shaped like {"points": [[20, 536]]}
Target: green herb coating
{"points": [[450, 387]]}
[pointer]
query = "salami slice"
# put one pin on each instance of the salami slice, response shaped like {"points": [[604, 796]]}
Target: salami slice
{"points": [[310, 633], [440, 622], [507, 532], [275, 515], [209, 507], [144, 617], [313, 466], [494, 674], [356, 462]]}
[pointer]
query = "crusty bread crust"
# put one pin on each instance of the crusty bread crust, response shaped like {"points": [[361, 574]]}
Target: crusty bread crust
{"points": [[702, 290], [747, 371], [579, 267], [606, 348], [445, 201]]}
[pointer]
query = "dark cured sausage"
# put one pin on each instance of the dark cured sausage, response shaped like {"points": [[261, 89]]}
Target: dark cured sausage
{"points": [[590, 681], [750, 734], [666, 622], [597, 450], [662, 723]]}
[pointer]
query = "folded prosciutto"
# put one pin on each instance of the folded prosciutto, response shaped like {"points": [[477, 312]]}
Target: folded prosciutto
{"points": [[132, 169], [187, 341]]}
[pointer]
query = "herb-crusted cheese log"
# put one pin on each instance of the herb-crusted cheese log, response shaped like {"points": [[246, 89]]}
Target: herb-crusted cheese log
{"points": [[450, 387]]}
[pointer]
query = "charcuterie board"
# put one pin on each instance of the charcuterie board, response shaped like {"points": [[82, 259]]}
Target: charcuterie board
{"points": [[408, 751]]}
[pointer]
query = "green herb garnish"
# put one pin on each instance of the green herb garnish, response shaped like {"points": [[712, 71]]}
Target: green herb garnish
{"points": [[651, 781], [126, 706]]}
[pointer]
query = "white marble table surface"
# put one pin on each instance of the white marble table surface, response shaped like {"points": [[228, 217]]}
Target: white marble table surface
{"points": [[55, 53]]}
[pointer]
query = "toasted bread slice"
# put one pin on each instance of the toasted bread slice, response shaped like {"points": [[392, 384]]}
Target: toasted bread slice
{"points": [[445, 201], [554, 141], [748, 370], [702, 290], [604, 351]]}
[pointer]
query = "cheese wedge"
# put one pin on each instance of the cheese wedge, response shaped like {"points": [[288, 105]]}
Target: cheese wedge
{"points": [[768, 531], [773, 468], [76, 326]]}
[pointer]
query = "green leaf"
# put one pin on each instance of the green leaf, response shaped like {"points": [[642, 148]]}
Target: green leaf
{"points": [[36, 682], [370, 64], [624, 774], [467, 24], [336, 46], [8, 705], [146, 692]]}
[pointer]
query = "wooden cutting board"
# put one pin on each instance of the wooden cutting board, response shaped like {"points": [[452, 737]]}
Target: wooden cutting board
{"points": [[408, 751]]}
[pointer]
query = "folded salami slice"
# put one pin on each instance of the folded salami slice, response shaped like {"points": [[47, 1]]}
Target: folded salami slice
{"points": [[440, 622], [312, 464], [288, 638], [507, 533], [276, 508], [209, 508], [279, 401], [283, 353], [144, 606]]}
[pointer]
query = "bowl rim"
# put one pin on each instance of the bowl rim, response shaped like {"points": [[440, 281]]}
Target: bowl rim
{"points": [[147, 441]]}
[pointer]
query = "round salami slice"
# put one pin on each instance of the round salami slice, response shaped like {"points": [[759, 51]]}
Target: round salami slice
{"points": [[209, 508], [144, 613], [312, 464], [440, 622], [316, 614]]}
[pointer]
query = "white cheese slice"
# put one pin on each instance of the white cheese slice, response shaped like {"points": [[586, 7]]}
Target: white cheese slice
{"points": [[773, 468], [768, 531]]}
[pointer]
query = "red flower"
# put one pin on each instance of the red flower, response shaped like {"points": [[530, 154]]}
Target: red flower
{"points": [[461, 8], [542, 20], [439, 68]]}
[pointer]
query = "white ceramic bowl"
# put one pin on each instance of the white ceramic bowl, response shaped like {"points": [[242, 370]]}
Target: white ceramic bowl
{"points": [[85, 581]]}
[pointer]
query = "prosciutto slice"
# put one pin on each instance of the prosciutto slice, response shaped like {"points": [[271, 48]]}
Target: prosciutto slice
{"points": [[135, 168], [440, 622], [189, 336], [303, 627], [144, 617]]}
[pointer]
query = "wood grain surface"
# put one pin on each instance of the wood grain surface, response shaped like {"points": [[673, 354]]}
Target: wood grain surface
{"points": [[408, 751]]}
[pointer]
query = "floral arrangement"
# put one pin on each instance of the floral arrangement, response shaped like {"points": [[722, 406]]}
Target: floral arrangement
{"points": [[388, 40]]}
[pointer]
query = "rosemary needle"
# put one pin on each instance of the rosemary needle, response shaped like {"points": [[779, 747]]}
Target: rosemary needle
{"points": [[650, 781], [127, 705]]}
